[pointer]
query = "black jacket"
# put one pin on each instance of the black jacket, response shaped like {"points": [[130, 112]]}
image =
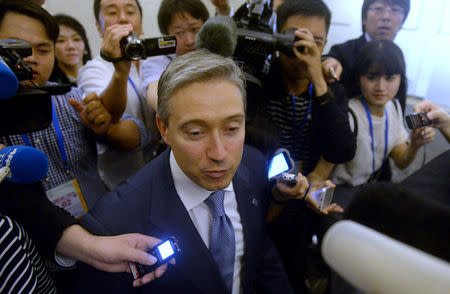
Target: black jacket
{"points": [[347, 53]]}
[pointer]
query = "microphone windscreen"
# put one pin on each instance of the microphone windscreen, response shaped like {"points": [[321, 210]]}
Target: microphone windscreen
{"points": [[399, 213], [218, 35], [27, 164], [375, 263], [8, 81]]}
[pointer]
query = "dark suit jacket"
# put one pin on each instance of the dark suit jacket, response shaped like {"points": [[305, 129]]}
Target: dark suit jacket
{"points": [[148, 203], [347, 53]]}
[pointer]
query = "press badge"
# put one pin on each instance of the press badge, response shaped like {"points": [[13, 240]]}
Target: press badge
{"points": [[69, 197]]}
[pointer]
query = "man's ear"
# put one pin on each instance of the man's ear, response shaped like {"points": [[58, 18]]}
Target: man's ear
{"points": [[162, 127]]}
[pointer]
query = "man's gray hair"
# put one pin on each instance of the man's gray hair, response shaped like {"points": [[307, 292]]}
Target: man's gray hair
{"points": [[196, 66]]}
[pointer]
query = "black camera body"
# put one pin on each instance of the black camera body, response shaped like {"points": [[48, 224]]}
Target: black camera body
{"points": [[30, 108], [417, 120], [12, 52], [256, 39], [134, 48]]}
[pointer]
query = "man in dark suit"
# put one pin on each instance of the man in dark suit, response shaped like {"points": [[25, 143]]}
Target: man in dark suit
{"points": [[381, 20], [201, 116]]}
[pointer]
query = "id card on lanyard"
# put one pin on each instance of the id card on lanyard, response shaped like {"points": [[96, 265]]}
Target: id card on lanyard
{"points": [[372, 143], [67, 195]]}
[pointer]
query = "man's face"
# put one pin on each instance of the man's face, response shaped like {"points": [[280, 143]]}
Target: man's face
{"points": [[185, 28], [119, 12], [206, 131], [383, 20], [293, 67], [20, 26]]}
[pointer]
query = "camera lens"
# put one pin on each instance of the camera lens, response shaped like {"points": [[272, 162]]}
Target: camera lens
{"points": [[134, 51]]}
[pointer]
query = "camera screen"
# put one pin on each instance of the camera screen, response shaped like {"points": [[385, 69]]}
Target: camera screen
{"points": [[277, 165], [166, 250]]}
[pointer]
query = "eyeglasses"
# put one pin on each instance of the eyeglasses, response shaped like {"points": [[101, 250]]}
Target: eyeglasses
{"points": [[381, 10]]}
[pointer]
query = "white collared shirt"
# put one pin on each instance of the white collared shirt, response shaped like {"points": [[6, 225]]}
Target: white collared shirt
{"points": [[193, 197]]}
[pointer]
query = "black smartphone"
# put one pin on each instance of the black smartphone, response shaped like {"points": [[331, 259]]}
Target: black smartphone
{"points": [[417, 120], [164, 252]]}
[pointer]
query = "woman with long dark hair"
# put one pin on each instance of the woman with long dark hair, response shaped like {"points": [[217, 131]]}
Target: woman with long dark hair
{"points": [[71, 50]]}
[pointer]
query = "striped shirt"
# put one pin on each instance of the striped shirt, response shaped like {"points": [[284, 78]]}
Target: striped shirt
{"points": [[288, 112], [21, 268]]}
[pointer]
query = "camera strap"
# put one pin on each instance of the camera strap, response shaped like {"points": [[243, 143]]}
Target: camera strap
{"points": [[386, 132], [108, 57]]}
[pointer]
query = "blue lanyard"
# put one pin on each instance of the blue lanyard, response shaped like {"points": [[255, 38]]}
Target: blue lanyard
{"points": [[386, 131], [304, 120], [59, 139], [140, 100]]}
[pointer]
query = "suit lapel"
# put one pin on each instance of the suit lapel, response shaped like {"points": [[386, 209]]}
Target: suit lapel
{"points": [[248, 210], [171, 217]]}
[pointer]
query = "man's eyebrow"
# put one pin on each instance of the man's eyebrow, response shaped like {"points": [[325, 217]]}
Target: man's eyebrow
{"points": [[200, 122], [238, 116], [111, 5], [44, 44]]}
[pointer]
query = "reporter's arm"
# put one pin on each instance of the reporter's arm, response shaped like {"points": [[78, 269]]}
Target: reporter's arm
{"points": [[281, 193], [111, 253], [152, 95], [328, 63], [124, 135], [127, 134], [404, 154], [440, 118]]}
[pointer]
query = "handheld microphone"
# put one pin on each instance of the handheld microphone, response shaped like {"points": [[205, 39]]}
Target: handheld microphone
{"points": [[375, 263], [8, 81], [219, 35], [22, 164]]}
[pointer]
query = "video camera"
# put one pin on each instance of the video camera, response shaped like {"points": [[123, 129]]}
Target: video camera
{"points": [[256, 39], [23, 109], [134, 48]]}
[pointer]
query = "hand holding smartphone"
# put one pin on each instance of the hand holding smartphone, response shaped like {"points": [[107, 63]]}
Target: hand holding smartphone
{"points": [[323, 197]]}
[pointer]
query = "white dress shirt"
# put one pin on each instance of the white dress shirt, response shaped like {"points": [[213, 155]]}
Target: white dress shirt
{"points": [[193, 197]]}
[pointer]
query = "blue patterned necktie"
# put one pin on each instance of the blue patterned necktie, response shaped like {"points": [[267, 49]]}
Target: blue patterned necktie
{"points": [[221, 241]]}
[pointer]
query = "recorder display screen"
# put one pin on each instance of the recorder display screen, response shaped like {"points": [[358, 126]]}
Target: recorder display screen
{"points": [[165, 249], [278, 165]]}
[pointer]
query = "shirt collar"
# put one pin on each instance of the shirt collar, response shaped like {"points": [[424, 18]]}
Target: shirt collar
{"points": [[189, 192]]}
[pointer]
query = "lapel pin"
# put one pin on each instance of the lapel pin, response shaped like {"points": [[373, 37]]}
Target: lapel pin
{"points": [[254, 202]]}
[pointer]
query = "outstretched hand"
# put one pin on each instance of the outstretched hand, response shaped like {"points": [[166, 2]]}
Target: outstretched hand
{"points": [[93, 113], [112, 254], [332, 70], [312, 203]]}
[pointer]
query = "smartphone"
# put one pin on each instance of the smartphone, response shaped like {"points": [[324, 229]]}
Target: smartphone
{"points": [[281, 162], [164, 252], [323, 196]]}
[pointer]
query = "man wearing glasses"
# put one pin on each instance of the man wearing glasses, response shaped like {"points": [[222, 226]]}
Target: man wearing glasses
{"points": [[381, 20]]}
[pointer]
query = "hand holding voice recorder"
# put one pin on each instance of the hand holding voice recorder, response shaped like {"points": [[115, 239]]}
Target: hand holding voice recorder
{"points": [[164, 252], [279, 166]]}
